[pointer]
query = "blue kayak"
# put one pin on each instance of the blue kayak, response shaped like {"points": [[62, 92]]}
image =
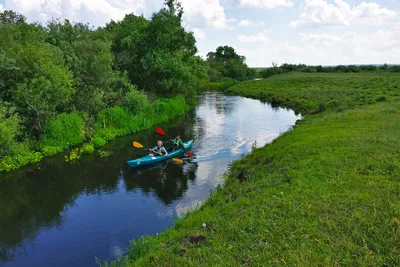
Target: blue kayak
{"points": [[147, 160]]}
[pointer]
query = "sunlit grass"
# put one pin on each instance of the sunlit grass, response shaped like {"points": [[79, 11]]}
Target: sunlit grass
{"points": [[326, 193]]}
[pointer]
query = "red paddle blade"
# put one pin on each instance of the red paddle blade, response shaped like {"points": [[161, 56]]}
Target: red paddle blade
{"points": [[190, 154], [160, 131]]}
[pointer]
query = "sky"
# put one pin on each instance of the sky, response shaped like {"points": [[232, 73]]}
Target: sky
{"points": [[315, 32]]}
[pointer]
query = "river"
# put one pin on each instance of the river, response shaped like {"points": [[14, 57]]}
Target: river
{"points": [[70, 214]]}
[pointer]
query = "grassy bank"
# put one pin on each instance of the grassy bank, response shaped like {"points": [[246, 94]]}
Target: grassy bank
{"points": [[326, 193], [222, 85], [70, 130]]}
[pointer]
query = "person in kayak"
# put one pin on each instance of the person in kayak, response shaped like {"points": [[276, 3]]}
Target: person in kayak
{"points": [[158, 150], [178, 143]]}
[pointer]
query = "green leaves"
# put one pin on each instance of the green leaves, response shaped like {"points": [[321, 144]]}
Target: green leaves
{"points": [[225, 62], [10, 128]]}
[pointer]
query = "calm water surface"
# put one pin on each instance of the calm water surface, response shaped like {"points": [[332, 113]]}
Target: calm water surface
{"points": [[64, 214]]}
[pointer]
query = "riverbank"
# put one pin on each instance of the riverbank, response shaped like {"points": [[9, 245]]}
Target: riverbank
{"points": [[325, 193], [67, 131]]}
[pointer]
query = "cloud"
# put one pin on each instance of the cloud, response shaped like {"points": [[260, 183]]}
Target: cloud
{"points": [[350, 47], [319, 13], [199, 34], [1, 8], [205, 13], [397, 26], [249, 23], [197, 14], [258, 38], [269, 4]]}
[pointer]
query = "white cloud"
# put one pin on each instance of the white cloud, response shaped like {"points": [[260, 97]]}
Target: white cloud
{"points": [[204, 13], [249, 23], [199, 34], [320, 13], [198, 14], [269, 4], [326, 49], [258, 38], [397, 26], [1, 8]]}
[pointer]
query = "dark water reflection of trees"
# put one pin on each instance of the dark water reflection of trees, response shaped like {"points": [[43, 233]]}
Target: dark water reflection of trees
{"points": [[36, 197]]}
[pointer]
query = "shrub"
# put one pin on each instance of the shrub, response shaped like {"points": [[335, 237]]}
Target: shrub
{"points": [[10, 128], [136, 101], [51, 150], [22, 158], [65, 130], [87, 148], [99, 141], [113, 117]]}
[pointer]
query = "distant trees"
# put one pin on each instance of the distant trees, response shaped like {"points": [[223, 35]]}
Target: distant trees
{"points": [[284, 68], [225, 62]]}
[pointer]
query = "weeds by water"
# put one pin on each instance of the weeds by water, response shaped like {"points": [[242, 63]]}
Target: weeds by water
{"points": [[66, 131]]}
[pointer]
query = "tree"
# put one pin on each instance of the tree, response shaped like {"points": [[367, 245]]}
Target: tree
{"points": [[158, 55], [229, 64], [88, 56]]}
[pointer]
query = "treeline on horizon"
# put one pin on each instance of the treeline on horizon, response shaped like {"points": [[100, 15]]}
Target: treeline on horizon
{"points": [[285, 68], [64, 83]]}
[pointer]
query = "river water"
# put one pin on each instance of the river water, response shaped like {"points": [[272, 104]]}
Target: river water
{"points": [[68, 214]]}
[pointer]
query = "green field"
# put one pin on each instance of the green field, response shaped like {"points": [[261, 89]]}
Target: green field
{"points": [[326, 193]]}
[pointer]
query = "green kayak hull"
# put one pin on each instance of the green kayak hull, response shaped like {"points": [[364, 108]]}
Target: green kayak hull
{"points": [[148, 160]]}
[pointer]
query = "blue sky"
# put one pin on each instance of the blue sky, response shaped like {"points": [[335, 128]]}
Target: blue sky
{"points": [[326, 32]]}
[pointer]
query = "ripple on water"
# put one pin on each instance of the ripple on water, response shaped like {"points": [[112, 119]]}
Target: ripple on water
{"points": [[211, 146]]}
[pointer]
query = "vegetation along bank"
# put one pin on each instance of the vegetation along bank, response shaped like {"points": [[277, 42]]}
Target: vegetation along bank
{"points": [[64, 84], [326, 193]]}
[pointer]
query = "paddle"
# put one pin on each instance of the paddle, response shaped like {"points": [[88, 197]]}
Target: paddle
{"points": [[161, 132], [175, 160], [137, 144]]}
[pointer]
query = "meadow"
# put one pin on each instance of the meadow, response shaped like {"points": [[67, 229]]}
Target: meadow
{"points": [[326, 193]]}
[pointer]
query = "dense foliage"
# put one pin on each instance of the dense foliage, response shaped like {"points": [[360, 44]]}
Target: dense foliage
{"points": [[285, 68], [225, 62], [64, 83]]}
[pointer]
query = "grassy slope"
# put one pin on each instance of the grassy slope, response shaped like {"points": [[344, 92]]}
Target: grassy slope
{"points": [[326, 193]]}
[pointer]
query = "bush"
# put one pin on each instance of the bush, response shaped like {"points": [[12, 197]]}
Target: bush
{"points": [[113, 117], [136, 101], [10, 128], [51, 150], [268, 72], [21, 158], [65, 130], [99, 141], [87, 148]]}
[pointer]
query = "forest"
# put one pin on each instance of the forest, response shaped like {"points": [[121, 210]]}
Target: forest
{"points": [[66, 83]]}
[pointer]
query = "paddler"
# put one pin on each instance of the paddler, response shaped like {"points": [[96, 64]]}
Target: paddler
{"points": [[178, 143], [158, 150]]}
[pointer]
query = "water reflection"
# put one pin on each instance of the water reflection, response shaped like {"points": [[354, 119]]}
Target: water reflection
{"points": [[59, 214]]}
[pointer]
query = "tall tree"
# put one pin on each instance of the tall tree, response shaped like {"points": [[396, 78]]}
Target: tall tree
{"points": [[226, 62]]}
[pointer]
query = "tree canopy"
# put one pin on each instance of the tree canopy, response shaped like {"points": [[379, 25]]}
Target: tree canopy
{"points": [[225, 62], [57, 76]]}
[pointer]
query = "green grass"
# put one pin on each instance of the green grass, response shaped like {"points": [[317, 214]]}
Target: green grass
{"points": [[326, 193], [311, 93]]}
